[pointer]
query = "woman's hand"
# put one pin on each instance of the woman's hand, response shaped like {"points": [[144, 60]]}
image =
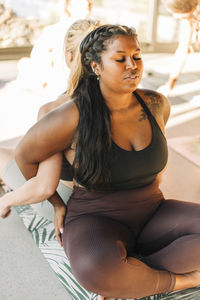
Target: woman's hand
{"points": [[59, 214], [5, 208]]}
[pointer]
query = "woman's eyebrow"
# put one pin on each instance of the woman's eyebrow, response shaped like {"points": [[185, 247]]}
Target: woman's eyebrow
{"points": [[121, 51]]}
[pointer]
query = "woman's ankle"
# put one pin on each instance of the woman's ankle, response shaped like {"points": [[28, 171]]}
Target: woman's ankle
{"points": [[187, 280]]}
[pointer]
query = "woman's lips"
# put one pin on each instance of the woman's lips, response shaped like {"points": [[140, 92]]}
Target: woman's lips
{"points": [[132, 77]]}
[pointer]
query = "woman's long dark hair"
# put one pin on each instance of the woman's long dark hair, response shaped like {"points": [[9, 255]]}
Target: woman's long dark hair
{"points": [[94, 131]]}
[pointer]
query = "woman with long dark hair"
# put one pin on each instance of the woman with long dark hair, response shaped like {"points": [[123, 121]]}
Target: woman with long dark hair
{"points": [[123, 239]]}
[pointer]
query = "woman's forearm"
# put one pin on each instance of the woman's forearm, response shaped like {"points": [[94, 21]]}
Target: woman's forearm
{"points": [[181, 52], [56, 200], [37, 189], [31, 192], [42, 186]]}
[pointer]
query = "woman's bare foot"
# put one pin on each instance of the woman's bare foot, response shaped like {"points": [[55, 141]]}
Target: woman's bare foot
{"points": [[194, 277], [187, 280]]}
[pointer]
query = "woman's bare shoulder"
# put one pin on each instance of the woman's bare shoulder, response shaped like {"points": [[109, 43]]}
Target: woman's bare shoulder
{"points": [[157, 103], [54, 132], [67, 112]]}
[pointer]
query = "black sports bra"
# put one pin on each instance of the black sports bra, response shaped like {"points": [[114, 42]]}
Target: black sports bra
{"points": [[133, 169]]}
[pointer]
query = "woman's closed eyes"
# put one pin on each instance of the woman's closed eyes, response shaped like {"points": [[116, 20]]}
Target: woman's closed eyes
{"points": [[123, 59]]}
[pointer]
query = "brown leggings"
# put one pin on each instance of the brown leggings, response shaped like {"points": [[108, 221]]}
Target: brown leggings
{"points": [[104, 231]]}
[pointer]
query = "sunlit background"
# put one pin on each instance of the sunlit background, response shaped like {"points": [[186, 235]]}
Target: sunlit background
{"points": [[22, 23], [149, 17]]}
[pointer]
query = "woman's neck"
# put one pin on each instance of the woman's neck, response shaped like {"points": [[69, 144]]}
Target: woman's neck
{"points": [[118, 102]]}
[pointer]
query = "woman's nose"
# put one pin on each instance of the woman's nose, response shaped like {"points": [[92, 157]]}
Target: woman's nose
{"points": [[131, 64]]}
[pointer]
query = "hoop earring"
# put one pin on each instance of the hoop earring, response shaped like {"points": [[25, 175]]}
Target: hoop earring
{"points": [[97, 76]]}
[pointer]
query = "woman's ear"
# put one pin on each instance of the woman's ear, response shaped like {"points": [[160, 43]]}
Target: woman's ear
{"points": [[95, 68], [68, 58]]}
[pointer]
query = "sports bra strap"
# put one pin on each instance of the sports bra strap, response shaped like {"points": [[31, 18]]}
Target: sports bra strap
{"points": [[145, 107]]}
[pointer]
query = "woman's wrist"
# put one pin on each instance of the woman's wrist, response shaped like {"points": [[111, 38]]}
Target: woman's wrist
{"points": [[60, 207], [56, 200]]}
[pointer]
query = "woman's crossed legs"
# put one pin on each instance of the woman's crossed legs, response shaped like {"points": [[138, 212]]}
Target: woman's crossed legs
{"points": [[171, 239], [97, 249]]}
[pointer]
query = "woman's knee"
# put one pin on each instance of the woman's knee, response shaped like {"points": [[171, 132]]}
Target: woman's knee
{"points": [[94, 267], [96, 248], [172, 220]]}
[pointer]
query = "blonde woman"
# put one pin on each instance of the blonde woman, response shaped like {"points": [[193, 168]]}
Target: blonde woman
{"points": [[41, 187], [46, 55]]}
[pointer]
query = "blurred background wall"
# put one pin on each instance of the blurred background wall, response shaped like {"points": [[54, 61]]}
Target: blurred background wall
{"points": [[21, 22]]}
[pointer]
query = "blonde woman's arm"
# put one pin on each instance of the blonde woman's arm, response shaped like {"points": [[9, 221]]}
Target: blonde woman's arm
{"points": [[37, 189], [179, 58]]}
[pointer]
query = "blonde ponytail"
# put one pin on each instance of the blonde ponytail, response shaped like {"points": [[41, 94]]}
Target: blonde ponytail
{"points": [[73, 39]]}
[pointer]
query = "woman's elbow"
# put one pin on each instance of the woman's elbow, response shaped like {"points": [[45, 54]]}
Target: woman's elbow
{"points": [[19, 154], [25, 159], [40, 190], [22, 152], [46, 191]]}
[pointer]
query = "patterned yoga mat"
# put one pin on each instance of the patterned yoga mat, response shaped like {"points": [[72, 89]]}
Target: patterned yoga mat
{"points": [[43, 233]]}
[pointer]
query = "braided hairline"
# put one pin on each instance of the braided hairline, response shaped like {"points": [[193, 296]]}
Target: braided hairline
{"points": [[95, 42]]}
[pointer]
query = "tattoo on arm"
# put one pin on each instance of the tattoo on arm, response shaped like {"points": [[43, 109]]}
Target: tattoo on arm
{"points": [[154, 102], [143, 115]]}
